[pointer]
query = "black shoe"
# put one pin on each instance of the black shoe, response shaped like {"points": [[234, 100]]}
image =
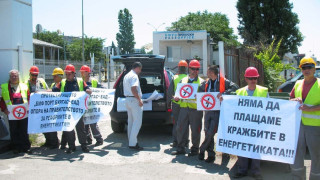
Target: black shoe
{"points": [[210, 159], [54, 146], [28, 151], [63, 147], [201, 156], [257, 176], [98, 143], [15, 151], [136, 147], [239, 175], [71, 150], [174, 144], [89, 142], [193, 153], [178, 152], [85, 148]]}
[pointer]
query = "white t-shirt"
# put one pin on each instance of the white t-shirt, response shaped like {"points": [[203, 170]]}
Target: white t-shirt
{"points": [[131, 79]]}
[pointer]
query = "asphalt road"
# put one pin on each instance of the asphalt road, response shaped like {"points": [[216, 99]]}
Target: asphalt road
{"points": [[114, 160]]}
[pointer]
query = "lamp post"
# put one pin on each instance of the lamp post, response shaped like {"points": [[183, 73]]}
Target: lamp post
{"points": [[82, 36], [64, 44], [156, 28]]}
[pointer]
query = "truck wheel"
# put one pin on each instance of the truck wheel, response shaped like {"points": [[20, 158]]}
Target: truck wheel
{"points": [[117, 127]]}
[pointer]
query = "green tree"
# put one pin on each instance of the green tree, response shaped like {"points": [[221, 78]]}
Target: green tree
{"points": [[51, 37], [125, 37], [272, 65], [92, 45], [114, 49], [216, 24], [263, 20], [143, 50]]}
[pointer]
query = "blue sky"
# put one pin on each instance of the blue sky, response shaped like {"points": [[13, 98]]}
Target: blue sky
{"points": [[101, 17]]}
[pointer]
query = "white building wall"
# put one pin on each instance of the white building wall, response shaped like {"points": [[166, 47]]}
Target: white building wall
{"points": [[15, 31]]}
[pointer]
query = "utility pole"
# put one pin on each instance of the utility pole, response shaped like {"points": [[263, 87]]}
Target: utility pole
{"points": [[82, 36]]}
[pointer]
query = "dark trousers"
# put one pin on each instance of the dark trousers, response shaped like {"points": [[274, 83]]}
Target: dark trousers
{"points": [[70, 138], [211, 122], [95, 132], [51, 138], [243, 165], [175, 114], [81, 132], [19, 134], [193, 118]]}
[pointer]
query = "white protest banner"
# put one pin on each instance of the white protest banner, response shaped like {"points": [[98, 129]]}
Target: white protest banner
{"points": [[100, 104], [55, 111], [208, 101], [186, 90], [259, 128], [18, 112]]}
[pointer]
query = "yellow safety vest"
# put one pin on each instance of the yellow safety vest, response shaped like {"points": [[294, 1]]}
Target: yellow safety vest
{"points": [[6, 95], [94, 83], [80, 84], [176, 79], [52, 85], [190, 103], [260, 91], [313, 99]]}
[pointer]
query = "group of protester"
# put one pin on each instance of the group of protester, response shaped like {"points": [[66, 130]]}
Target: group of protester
{"points": [[15, 92], [185, 113]]}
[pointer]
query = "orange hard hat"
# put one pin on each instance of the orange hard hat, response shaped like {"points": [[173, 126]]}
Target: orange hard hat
{"points": [[183, 63], [194, 64], [34, 70], [70, 68], [251, 72], [85, 68]]}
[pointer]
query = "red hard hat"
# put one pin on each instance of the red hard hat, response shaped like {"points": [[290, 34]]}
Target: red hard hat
{"points": [[70, 68], [251, 72], [85, 68], [194, 64], [34, 70], [183, 63]]}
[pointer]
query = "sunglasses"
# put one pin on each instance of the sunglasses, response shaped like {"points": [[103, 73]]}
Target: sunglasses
{"points": [[252, 78], [194, 69], [307, 67], [34, 75]]}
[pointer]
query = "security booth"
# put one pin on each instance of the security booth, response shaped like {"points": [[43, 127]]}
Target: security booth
{"points": [[187, 45]]}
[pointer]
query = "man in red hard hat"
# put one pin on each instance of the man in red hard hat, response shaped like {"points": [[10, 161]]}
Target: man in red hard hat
{"points": [[252, 89], [91, 82], [189, 116], [71, 84], [34, 83], [182, 72]]}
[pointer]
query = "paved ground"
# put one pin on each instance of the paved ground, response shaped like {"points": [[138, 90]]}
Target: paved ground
{"points": [[113, 160]]}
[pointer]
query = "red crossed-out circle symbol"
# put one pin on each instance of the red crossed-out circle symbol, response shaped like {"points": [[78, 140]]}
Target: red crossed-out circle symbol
{"points": [[19, 112], [208, 101], [86, 102], [186, 91]]}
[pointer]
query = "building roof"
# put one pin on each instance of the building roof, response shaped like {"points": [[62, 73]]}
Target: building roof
{"points": [[43, 43]]}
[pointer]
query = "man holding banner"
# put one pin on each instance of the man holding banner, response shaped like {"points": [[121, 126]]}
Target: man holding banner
{"points": [[91, 82], [188, 113], [252, 89], [71, 84], [307, 92], [214, 83], [14, 93]]}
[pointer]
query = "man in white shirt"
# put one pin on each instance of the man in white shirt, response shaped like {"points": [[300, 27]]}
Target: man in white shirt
{"points": [[134, 104]]}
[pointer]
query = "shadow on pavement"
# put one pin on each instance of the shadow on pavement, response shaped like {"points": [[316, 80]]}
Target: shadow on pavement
{"points": [[150, 138]]}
